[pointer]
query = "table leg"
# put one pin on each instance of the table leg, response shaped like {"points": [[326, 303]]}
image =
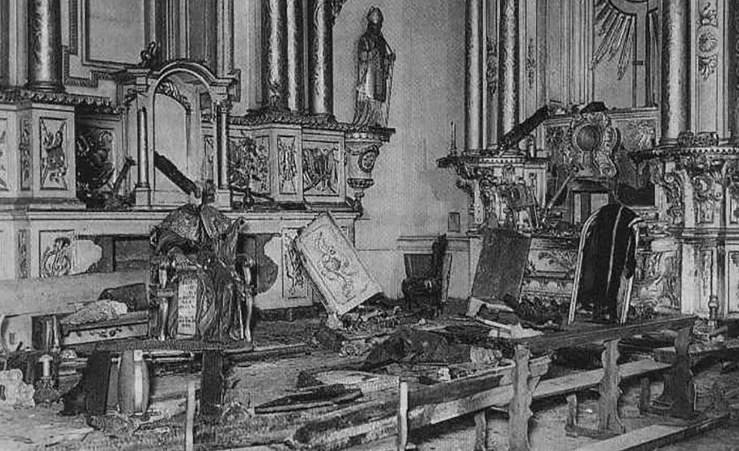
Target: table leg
{"points": [[481, 431], [519, 409], [608, 419], [212, 384], [683, 388]]}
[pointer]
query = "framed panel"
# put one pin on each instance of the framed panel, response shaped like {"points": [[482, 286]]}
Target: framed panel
{"points": [[56, 253], [334, 266], [114, 32], [54, 167], [323, 169]]}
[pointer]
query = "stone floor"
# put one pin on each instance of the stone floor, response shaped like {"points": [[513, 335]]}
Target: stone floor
{"points": [[36, 429]]}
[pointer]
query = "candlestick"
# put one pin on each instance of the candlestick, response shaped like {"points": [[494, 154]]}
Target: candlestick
{"points": [[454, 136]]}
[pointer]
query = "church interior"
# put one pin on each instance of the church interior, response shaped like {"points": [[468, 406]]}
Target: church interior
{"points": [[386, 225]]}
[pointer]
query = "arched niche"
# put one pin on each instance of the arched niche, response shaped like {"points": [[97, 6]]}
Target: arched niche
{"points": [[181, 113]]}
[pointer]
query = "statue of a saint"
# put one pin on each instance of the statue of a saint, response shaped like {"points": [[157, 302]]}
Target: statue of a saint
{"points": [[202, 240], [374, 74]]}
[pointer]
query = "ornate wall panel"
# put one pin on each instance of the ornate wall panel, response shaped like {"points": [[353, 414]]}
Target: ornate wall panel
{"points": [[322, 162], [56, 253], [25, 154], [295, 280], [288, 174], [52, 154], [114, 32]]}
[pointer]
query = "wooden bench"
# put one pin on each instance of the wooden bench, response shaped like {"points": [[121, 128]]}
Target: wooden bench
{"points": [[375, 420]]}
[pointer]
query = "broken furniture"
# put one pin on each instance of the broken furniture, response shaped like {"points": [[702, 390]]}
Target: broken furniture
{"points": [[364, 422], [334, 266], [606, 264], [427, 277]]}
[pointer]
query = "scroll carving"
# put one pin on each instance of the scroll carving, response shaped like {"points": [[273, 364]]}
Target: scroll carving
{"points": [[24, 152], [672, 184]]}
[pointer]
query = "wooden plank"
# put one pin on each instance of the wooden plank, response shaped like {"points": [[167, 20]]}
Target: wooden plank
{"points": [[374, 420], [576, 337], [501, 396], [653, 437], [699, 349]]}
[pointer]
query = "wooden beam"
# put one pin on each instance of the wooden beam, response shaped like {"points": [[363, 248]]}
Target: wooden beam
{"points": [[501, 396], [578, 336], [653, 437]]}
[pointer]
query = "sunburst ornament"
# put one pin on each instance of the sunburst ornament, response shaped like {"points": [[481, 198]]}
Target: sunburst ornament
{"points": [[618, 30]]}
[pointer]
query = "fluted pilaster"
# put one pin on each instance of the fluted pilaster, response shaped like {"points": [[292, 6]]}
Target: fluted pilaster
{"points": [[45, 45]]}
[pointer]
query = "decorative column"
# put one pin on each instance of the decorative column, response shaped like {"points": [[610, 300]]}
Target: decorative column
{"points": [[45, 45], [274, 51], [675, 102], [508, 63], [474, 44], [295, 55], [732, 48], [320, 58], [143, 150], [222, 110]]}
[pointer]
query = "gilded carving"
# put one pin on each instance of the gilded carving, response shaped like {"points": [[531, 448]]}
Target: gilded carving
{"points": [[24, 261], [707, 40], [589, 145], [24, 152], [531, 63], [617, 30], [288, 166], [94, 156], [367, 159], [54, 165], [171, 90], [295, 283], [566, 259], [321, 170], [657, 278], [707, 65], [639, 134], [4, 175], [706, 177], [248, 164], [491, 69], [56, 260]]}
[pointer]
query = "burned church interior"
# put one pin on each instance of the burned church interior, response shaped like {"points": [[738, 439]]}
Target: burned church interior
{"points": [[369, 225]]}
